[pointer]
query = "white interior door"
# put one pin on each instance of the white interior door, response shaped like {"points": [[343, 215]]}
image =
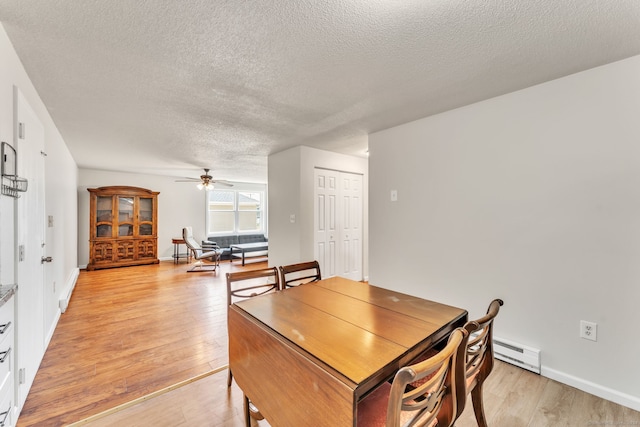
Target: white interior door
{"points": [[338, 223], [326, 232], [30, 239], [351, 225]]}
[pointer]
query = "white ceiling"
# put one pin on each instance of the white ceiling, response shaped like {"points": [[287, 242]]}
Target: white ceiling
{"points": [[170, 87]]}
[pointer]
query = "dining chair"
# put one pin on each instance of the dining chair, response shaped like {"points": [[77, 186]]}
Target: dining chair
{"points": [[479, 357], [199, 254], [242, 285], [299, 274], [437, 400]]}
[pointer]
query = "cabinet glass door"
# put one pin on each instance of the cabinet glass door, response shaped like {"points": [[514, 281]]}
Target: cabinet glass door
{"points": [[104, 214], [125, 216], [145, 225]]}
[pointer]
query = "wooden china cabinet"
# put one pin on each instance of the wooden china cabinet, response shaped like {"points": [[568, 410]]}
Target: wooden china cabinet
{"points": [[123, 227]]}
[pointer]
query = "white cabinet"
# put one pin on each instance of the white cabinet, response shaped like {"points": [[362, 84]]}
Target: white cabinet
{"points": [[6, 357]]}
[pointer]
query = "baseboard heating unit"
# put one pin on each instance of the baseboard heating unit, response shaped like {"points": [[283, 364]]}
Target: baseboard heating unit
{"points": [[517, 354]]}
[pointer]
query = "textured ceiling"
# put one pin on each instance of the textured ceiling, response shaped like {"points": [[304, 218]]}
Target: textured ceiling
{"points": [[170, 87]]}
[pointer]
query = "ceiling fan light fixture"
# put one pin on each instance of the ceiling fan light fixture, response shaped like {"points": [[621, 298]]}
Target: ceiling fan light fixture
{"points": [[206, 181], [205, 186]]}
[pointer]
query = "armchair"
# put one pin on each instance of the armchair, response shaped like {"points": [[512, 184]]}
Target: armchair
{"points": [[213, 253]]}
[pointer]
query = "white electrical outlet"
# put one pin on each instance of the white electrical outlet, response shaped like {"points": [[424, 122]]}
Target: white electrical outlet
{"points": [[588, 330], [394, 195]]}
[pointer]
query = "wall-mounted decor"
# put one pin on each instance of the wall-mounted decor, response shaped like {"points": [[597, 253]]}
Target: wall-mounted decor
{"points": [[12, 184]]}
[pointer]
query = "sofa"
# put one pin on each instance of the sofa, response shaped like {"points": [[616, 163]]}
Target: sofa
{"points": [[224, 242]]}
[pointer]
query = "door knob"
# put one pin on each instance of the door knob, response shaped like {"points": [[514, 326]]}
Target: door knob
{"points": [[45, 259]]}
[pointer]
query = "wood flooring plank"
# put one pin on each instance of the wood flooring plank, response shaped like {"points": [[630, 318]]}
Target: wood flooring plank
{"points": [[554, 406], [520, 401], [594, 411]]}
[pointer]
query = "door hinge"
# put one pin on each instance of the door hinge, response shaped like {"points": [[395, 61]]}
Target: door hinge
{"points": [[21, 130]]}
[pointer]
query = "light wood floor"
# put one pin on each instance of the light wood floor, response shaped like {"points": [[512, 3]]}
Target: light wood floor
{"points": [[513, 398], [133, 331], [126, 333]]}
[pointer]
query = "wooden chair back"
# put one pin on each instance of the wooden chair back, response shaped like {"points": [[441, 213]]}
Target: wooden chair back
{"points": [[299, 274], [479, 356], [248, 284], [438, 398]]}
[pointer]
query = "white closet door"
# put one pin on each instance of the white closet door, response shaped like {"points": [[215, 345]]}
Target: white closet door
{"points": [[351, 226], [325, 217], [338, 223]]}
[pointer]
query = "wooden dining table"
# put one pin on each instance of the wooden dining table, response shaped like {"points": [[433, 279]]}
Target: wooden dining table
{"points": [[307, 355]]}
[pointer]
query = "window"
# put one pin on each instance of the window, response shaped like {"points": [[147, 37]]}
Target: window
{"points": [[234, 211]]}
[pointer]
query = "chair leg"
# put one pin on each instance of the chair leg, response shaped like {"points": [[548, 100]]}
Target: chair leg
{"points": [[229, 378], [478, 406], [199, 267], [247, 414], [250, 411]]}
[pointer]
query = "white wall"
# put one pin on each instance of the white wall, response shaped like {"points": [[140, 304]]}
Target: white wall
{"points": [[60, 194], [284, 200], [60, 184], [532, 197], [291, 192], [180, 204]]}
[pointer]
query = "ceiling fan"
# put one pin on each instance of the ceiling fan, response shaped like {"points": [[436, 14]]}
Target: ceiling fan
{"points": [[206, 181]]}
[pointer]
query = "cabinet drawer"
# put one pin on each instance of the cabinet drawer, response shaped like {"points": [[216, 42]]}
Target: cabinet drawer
{"points": [[6, 399], [6, 404], [6, 318], [6, 356]]}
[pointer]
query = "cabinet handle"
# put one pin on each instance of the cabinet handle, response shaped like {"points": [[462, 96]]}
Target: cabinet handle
{"points": [[4, 416], [5, 355], [4, 327]]}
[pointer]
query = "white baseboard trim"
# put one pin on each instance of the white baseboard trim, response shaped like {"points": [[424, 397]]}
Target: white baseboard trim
{"points": [[616, 396], [54, 324], [65, 297]]}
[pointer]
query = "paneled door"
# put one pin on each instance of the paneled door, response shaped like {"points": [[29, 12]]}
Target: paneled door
{"points": [[350, 223], [30, 238], [325, 216], [338, 223]]}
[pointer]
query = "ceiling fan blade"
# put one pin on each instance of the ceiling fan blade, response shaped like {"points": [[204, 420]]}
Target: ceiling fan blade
{"points": [[188, 180], [222, 182]]}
